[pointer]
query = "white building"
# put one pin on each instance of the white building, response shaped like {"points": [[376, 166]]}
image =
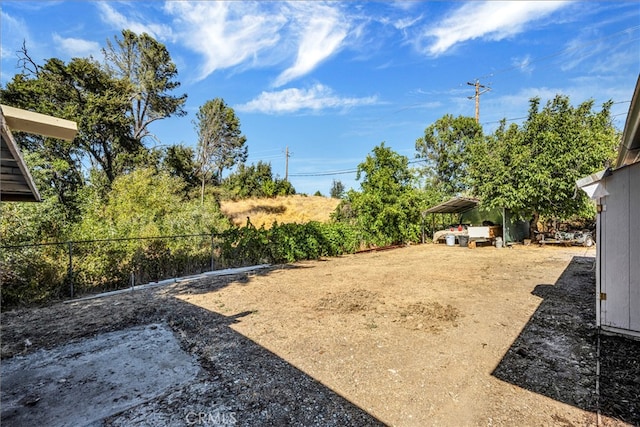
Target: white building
{"points": [[617, 194]]}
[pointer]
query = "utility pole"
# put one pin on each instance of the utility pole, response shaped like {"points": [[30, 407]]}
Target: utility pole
{"points": [[478, 86], [286, 164]]}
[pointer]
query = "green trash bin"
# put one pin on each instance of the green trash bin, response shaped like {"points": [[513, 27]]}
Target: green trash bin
{"points": [[463, 240]]}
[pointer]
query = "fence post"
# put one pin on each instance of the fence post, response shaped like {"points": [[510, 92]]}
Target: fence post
{"points": [[212, 253], [70, 271]]}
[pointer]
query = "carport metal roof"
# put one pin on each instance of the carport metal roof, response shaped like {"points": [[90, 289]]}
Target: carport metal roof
{"points": [[455, 205]]}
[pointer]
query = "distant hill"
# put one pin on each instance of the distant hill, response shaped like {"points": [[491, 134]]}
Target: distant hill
{"points": [[285, 209]]}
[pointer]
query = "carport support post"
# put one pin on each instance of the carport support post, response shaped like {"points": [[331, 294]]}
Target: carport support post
{"points": [[433, 226], [70, 270], [504, 226]]}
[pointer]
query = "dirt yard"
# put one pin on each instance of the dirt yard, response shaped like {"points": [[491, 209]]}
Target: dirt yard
{"points": [[423, 335]]}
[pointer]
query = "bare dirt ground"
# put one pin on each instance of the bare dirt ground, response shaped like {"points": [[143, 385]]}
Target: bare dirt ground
{"points": [[423, 335]]}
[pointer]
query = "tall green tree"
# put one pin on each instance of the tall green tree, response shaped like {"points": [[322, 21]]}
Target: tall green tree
{"points": [[532, 169], [145, 65], [337, 189], [387, 210], [444, 146], [221, 144]]}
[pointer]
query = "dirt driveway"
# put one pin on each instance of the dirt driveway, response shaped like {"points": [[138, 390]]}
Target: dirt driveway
{"points": [[423, 335]]}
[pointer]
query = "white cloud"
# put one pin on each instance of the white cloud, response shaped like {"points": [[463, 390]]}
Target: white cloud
{"points": [[523, 64], [403, 24], [120, 22], [226, 34], [322, 30], [260, 34], [14, 32], [404, 5], [489, 20], [74, 47], [316, 98]]}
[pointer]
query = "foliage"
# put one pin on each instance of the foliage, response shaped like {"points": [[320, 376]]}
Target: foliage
{"points": [[145, 66], [148, 203], [283, 243], [221, 145], [256, 180], [388, 209], [444, 146], [32, 275], [34, 222], [532, 169], [178, 161], [142, 205], [337, 189]]}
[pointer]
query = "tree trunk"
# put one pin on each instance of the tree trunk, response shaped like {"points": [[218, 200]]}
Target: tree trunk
{"points": [[202, 192], [533, 226]]}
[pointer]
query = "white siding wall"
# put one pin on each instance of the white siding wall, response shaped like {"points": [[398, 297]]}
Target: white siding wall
{"points": [[619, 248], [634, 246]]}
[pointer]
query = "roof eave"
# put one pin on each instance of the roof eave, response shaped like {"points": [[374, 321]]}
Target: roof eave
{"points": [[629, 151]]}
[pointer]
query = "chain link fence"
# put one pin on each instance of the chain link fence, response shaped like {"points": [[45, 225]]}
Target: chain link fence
{"points": [[61, 270], [44, 272]]}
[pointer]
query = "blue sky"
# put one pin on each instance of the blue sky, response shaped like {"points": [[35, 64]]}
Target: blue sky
{"points": [[331, 80]]}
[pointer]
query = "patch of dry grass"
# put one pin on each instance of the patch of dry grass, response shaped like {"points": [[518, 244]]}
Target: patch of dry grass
{"points": [[284, 209]]}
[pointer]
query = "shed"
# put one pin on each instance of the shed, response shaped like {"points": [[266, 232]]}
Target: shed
{"points": [[16, 183], [617, 195]]}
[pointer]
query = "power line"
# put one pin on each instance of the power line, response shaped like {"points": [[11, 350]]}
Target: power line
{"points": [[344, 171], [351, 171], [524, 117]]}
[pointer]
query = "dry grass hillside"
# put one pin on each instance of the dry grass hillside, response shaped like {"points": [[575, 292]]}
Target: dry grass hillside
{"points": [[285, 209]]}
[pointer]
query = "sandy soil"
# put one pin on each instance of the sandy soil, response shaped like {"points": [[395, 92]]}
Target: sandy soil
{"points": [[423, 335]]}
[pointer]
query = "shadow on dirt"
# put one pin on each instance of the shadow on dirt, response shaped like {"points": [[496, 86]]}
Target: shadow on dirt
{"points": [[244, 379], [556, 353], [239, 381]]}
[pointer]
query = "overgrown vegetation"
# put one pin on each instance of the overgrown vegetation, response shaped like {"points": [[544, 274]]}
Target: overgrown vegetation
{"points": [[113, 196]]}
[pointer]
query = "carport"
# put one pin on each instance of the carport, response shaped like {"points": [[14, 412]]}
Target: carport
{"points": [[454, 206]]}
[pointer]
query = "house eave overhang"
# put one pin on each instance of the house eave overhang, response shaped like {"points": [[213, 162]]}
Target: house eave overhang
{"points": [[16, 182], [27, 121], [629, 151]]}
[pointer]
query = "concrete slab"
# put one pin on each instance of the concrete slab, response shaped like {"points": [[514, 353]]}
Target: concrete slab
{"points": [[82, 383]]}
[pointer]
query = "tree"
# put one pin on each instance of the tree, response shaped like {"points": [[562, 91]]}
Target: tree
{"points": [[180, 161], [337, 189], [532, 169], [387, 210], [220, 142], [146, 66], [444, 146], [256, 181]]}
